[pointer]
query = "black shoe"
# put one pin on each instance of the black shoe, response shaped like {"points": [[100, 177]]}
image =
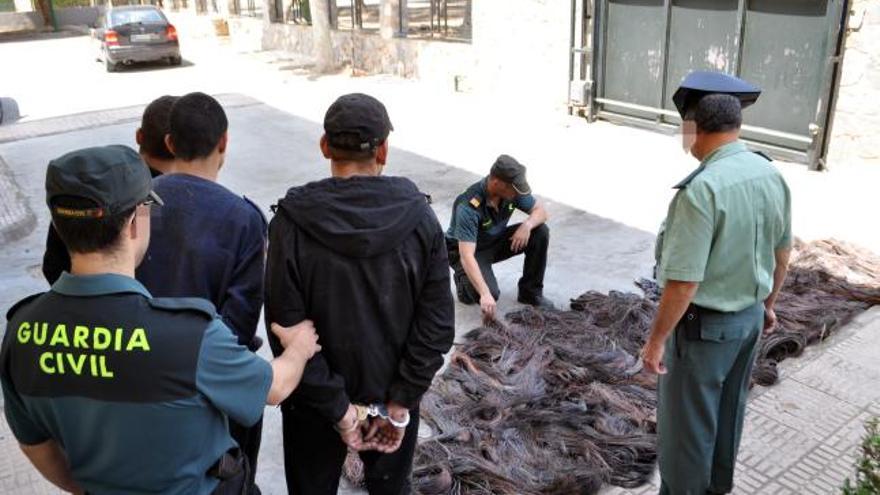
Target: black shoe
{"points": [[537, 301]]}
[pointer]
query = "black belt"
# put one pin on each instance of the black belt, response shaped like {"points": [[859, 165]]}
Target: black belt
{"points": [[691, 322]]}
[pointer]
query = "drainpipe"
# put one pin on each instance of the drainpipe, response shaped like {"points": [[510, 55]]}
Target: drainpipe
{"points": [[52, 15]]}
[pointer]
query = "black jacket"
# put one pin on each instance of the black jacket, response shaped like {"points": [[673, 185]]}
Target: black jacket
{"points": [[365, 259]]}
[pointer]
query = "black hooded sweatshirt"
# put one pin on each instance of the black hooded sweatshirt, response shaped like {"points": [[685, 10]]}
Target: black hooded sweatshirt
{"points": [[365, 259]]}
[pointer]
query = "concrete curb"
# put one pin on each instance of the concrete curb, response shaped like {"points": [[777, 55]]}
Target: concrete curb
{"points": [[16, 218]]}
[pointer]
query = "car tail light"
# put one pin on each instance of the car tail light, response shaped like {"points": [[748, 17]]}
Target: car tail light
{"points": [[171, 33], [111, 38]]}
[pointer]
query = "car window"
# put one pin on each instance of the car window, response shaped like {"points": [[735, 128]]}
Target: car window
{"points": [[132, 16]]}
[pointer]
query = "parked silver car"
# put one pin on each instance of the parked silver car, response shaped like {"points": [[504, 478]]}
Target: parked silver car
{"points": [[137, 33]]}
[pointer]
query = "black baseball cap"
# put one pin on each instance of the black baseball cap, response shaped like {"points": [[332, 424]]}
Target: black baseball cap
{"points": [[513, 172], [114, 178], [357, 122], [698, 84]]}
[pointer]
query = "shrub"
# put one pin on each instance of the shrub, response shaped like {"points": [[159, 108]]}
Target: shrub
{"points": [[867, 480]]}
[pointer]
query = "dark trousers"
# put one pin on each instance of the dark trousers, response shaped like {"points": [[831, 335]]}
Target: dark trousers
{"points": [[702, 400], [531, 284], [314, 455], [248, 440]]}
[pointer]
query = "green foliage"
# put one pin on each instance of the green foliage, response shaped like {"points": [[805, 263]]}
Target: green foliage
{"points": [[60, 4], [7, 6], [867, 480]]}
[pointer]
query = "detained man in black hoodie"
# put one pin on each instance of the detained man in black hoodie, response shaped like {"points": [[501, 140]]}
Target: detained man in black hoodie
{"points": [[364, 257]]}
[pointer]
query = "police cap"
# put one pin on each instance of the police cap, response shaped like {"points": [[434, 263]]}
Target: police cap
{"points": [[357, 122], [113, 178], [698, 84], [511, 171]]}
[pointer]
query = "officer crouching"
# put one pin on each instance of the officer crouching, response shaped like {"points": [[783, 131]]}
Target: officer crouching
{"points": [[109, 390]]}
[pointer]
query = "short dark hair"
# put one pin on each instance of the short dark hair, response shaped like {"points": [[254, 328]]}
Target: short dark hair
{"points": [[717, 113], [346, 155], [155, 125], [88, 234], [197, 124]]}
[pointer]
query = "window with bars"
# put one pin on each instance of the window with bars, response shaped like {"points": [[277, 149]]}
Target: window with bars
{"points": [[426, 19], [445, 19], [246, 8], [355, 14], [293, 11]]}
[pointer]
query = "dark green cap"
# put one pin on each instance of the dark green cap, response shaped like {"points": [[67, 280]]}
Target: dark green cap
{"points": [[114, 178], [513, 172]]}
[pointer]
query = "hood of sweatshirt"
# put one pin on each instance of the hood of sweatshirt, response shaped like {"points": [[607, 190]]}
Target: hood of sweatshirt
{"points": [[359, 216]]}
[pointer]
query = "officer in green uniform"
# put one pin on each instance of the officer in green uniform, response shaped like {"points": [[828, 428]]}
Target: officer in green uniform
{"points": [[109, 390], [722, 262], [479, 236]]}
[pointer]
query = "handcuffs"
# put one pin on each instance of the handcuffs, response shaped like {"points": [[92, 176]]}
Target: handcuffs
{"points": [[374, 411]]}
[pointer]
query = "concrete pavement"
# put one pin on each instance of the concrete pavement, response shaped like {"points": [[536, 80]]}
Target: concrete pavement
{"points": [[606, 188]]}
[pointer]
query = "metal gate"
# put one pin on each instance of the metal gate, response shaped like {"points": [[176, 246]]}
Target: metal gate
{"points": [[640, 50]]}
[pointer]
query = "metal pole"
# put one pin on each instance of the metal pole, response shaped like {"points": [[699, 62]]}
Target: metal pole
{"points": [[665, 75], [740, 35], [52, 15], [403, 13]]}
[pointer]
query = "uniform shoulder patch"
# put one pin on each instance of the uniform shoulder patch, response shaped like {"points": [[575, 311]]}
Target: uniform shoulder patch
{"points": [[20, 304], [257, 208], [687, 180], [180, 304], [763, 155], [475, 202]]}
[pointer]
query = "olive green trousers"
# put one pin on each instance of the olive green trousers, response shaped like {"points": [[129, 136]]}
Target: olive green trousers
{"points": [[702, 399]]}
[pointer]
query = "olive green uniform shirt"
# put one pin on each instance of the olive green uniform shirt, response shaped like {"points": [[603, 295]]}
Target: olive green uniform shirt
{"points": [[723, 228]]}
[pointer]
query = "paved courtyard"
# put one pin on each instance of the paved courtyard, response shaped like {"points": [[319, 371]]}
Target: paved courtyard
{"points": [[606, 188]]}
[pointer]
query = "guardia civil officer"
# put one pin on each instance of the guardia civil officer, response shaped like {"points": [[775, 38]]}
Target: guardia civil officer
{"points": [[109, 390], [723, 257], [479, 236]]}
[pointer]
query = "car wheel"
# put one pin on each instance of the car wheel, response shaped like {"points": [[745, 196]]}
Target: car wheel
{"points": [[110, 66], [175, 60]]}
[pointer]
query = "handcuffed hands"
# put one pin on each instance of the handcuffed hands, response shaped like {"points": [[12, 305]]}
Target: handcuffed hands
{"points": [[373, 433], [351, 429], [384, 436]]}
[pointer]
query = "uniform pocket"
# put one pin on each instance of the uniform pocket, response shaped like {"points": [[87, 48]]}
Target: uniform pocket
{"points": [[720, 327], [713, 333]]}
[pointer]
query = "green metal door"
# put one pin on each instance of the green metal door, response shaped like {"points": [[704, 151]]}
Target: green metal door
{"points": [[789, 48]]}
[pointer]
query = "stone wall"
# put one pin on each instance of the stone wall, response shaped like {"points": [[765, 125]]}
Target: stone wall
{"points": [[855, 131], [77, 16], [13, 22], [519, 51], [370, 53]]}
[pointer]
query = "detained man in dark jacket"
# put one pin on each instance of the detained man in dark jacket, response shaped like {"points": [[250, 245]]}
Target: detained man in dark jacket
{"points": [[209, 242], [364, 257], [150, 137]]}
